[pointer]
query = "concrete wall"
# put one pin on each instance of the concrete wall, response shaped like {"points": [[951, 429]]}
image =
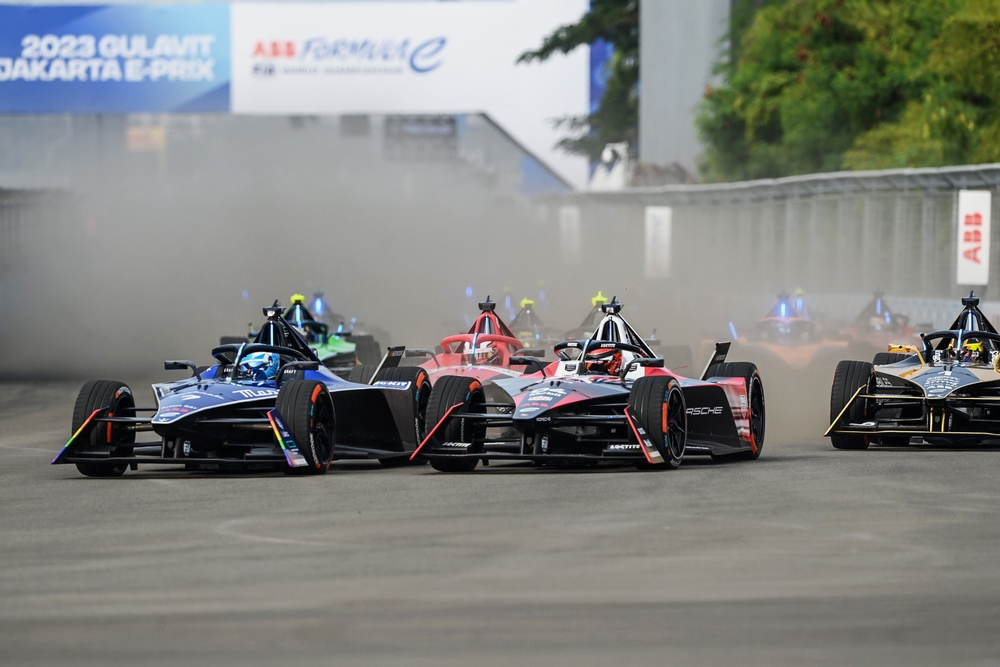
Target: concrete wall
{"points": [[679, 41]]}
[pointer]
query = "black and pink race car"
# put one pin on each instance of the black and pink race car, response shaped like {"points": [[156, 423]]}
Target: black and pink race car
{"points": [[609, 399]]}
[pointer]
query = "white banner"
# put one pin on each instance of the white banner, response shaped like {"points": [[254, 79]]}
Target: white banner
{"points": [[974, 220], [659, 228], [414, 58], [570, 235]]}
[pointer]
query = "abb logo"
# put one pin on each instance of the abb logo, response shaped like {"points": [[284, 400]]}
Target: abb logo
{"points": [[274, 49], [972, 233]]}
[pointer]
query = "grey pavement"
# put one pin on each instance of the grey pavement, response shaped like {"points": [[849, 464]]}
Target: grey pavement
{"points": [[809, 556]]}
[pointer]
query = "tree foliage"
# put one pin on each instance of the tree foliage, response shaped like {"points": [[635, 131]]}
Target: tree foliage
{"points": [[616, 118], [820, 85]]}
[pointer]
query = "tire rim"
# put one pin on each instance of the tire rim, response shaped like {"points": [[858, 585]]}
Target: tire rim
{"points": [[757, 412], [323, 428], [676, 435]]}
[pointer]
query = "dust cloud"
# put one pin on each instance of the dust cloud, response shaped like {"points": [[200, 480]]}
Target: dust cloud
{"points": [[155, 255]]}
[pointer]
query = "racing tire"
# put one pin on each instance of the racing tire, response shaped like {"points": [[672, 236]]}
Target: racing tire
{"points": [[233, 340], [453, 390], [362, 373], [307, 409], [659, 404], [95, 395], [367, 349], [884, 358], [756, 405], [846, 379], [420, 391]]}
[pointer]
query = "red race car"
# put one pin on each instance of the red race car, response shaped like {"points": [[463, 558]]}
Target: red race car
{"points": [[483, 352]]}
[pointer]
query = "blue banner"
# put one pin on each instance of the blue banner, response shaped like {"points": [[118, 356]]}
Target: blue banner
{"points": [[114, 58]]}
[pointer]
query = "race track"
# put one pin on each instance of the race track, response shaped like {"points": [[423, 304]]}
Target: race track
{"points": [[807, 556]]}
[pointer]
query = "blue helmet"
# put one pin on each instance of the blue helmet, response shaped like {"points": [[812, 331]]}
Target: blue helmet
{"points": [[262, 365]]}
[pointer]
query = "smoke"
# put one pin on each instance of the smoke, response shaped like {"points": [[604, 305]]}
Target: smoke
{"points": [[155, 255]]}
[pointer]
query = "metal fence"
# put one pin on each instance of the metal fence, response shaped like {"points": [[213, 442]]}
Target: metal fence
{"points": [[850, 232]]}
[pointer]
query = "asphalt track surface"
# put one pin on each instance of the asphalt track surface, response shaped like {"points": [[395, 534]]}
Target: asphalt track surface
{"points": [[808, 556]]}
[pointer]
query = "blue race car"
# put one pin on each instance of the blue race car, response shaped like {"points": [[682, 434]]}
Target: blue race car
{"points": [[269, 403]]}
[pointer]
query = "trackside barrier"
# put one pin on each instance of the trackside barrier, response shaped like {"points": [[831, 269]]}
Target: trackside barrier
{"points": [[844, 233]]}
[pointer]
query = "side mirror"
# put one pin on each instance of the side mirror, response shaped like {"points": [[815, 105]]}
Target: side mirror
{"points": [[530, 362], [180, 365], [648, 363]]}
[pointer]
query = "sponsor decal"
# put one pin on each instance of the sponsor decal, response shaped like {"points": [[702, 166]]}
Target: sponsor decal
{"points": [[546, 394], [882, 382], [941, 384], [706, 410], [256, 393], [393, 384], [353, 55], [461, 445], [623, 447]]}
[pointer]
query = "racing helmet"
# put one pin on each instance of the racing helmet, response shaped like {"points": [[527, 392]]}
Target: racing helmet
{"points": [[487, 354], [603, 362], [260, 365], [971, 350]]}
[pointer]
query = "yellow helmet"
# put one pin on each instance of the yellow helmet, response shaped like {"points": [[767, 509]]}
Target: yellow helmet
{"points": [[973, 346], [298, 298]]}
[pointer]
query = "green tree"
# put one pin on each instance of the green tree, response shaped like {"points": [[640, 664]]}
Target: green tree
{"points": [[957, 118], [809, 77], [616, 118]]}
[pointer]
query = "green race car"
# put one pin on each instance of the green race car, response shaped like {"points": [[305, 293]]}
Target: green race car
{"points": [[339, 350]]}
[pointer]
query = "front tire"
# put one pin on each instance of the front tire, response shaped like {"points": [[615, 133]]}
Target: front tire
{"points": [[849, 376], [307, 409], [659, 404], [116, 396], [468, 393]]}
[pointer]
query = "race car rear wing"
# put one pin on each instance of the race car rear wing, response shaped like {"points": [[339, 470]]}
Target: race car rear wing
{"points": [[718, 357], [393, 355]]}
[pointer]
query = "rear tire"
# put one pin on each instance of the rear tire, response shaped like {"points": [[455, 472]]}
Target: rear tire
{"points": [[95, 395], [367, 349], [449, 391], [755, 401], [362, 373], [420, 392], [884, 358], [846, 379], [307, 409], [658, 402]]}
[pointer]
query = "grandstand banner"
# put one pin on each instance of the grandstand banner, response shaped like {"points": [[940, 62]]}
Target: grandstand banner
{"points": [[114, 58], [414, 58], [973, 243]]}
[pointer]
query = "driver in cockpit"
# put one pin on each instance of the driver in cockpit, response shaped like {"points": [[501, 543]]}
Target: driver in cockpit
{"points": [[972, 352], [260, 366], [603, 362]]}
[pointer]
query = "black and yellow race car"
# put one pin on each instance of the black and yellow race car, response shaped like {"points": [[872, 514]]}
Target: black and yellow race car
{"points": [[943, 391]]}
